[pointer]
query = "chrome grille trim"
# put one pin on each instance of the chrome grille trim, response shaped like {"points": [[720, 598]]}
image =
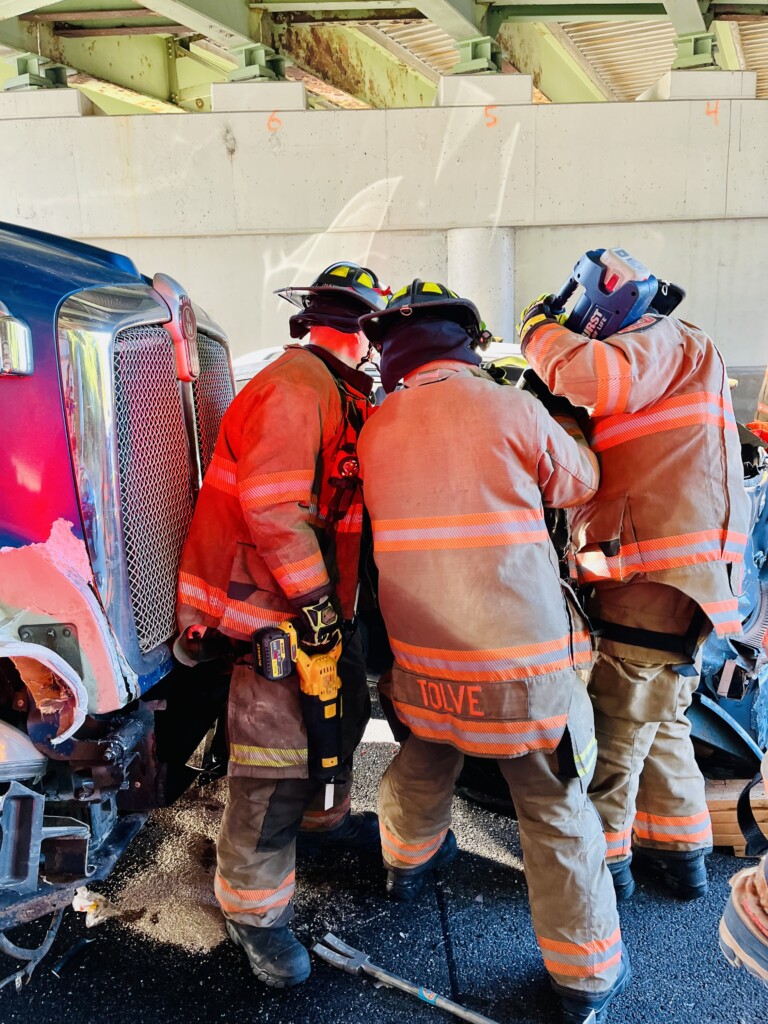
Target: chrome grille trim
{"points": [[89, 324], [212, 393], [155, 489]]}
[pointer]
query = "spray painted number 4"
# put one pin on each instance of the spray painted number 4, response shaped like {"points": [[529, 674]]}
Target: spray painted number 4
{"points": [[713, 111]]}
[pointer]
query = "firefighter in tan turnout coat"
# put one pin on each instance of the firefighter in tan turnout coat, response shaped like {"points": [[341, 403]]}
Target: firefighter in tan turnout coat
{"points": [[661, 544], [456, 470], [276, 535]]}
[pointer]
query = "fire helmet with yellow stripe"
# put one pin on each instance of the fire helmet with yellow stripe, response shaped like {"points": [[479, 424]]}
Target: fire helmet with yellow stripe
{"points": [[421, 300], [337, 298], [423, 322]]}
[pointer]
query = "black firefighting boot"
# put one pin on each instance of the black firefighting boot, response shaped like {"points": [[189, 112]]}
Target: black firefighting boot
{"points": [[405, 884], [276, 956], [356, 832], [578, 1006], [623, 882], [683, 872]]}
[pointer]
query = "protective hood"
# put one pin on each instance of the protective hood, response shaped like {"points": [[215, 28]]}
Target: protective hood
{"points": [[413, 343]]}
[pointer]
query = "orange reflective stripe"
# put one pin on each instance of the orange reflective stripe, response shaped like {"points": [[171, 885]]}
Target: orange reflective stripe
{"points": [[724, 615], [496, 665], [472, 530], [662, 553], [352, 521], [253, 901], [691, 828], [581, 970], [614, 379], [693, 409], [580, 948], [323, 821], [274, 488], [410, 853], [497, 739], [670, 819], [537, 348], [195, 592], [580, 959], [618, 843], [243, 618], [655, 836], [303, 576], [222, 474]]}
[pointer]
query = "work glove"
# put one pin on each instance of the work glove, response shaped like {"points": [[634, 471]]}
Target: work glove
{"points": [[538, 312], [556, 405], [319, 627]]}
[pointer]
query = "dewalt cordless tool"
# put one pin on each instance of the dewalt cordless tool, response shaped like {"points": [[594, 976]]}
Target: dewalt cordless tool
{"points": [[276, 654]]}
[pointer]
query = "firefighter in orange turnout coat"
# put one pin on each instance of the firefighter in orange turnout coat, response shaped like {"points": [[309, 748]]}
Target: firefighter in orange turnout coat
{"points": [[275, 536], [661, 543], [456, 471]]}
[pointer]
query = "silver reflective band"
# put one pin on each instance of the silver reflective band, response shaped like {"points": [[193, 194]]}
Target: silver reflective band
{"points": [[16, 358]]}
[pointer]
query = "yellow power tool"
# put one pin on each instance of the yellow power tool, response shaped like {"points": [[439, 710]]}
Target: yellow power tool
{"points": [[277, 655]]}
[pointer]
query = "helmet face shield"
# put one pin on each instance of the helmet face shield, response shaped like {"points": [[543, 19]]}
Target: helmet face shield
{"points": [[617, 291], [345, 285]]}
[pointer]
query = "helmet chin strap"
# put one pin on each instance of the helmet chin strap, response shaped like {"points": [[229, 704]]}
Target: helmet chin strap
{"points": [[368, 358]]}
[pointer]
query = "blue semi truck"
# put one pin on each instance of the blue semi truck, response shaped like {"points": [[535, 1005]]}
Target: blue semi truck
{"points": [[112, 388]]}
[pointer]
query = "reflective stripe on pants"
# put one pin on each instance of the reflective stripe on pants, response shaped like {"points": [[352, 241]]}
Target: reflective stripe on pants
{"points": [[256, 851], [560, 834], [646, 781]]}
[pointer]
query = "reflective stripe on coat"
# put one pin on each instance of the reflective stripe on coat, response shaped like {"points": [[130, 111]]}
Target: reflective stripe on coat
{"points": [[671, 505], [456, 471], [263, 536]]}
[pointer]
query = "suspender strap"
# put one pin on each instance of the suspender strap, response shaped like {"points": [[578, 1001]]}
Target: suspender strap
{"points": [[757, 841], [685, 644]]}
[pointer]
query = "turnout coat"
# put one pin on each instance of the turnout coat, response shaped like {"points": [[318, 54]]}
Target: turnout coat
{"points": [[456, 471], [671, 507], [276, 525]]}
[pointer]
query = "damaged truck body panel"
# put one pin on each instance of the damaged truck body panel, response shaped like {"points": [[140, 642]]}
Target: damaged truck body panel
{"points": [[112, 388]]}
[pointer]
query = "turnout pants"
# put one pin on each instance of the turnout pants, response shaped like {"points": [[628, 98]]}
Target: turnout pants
{"points": [[569, 886], [256, 851], [646, 780]]}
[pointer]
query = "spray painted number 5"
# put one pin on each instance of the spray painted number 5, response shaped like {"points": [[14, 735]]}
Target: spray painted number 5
{"points": [[490, 118], [274, 124]]}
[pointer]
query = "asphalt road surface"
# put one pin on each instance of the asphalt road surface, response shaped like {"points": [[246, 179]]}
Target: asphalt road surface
{"points": [[470, 939]]}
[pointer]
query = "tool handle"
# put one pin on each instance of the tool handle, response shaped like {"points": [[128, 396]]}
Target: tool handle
{"points": [[426, 996]]}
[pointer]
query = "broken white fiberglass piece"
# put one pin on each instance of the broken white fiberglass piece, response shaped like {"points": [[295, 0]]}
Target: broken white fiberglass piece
{"points": [[51, 582], [32, 661]]}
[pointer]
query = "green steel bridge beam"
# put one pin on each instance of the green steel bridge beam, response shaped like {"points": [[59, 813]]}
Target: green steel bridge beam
{"points": [[353, 61]]}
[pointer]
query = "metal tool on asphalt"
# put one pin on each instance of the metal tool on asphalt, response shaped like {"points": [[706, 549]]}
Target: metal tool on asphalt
{"points": [[354, 961]]}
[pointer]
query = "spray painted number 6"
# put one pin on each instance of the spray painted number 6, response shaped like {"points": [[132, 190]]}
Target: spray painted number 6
{"points": [[274, 124]]}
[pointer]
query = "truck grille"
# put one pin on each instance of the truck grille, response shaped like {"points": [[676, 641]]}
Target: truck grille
{"points": [[212, 393], [155, 487]]}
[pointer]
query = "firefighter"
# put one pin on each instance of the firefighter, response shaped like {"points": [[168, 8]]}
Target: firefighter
{"points": [[486, 641], [661, 545], [276, 535]]}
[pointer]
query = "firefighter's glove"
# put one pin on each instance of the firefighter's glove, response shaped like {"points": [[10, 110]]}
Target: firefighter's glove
{"points": [[537, 313], [320, 627], [555, 405]]}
